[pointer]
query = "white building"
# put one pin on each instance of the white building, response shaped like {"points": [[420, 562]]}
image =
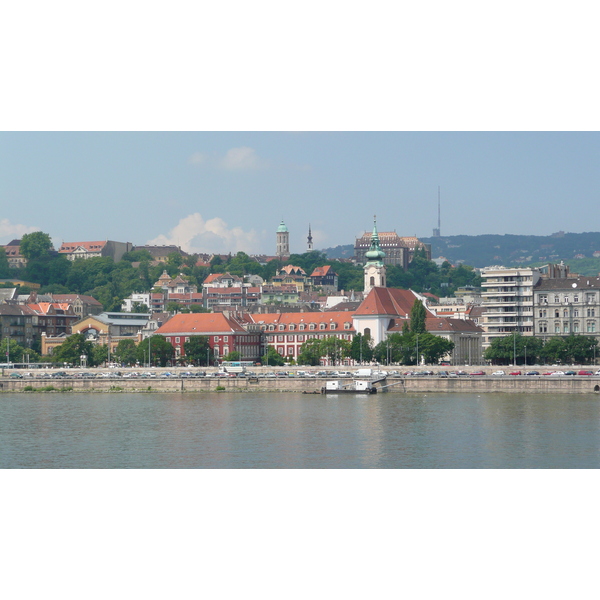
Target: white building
{"points": [[507, 301]]}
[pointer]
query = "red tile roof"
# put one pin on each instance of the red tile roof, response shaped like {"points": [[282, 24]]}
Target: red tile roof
{"points": [[68, 247], [200, 324], [388, 301]]}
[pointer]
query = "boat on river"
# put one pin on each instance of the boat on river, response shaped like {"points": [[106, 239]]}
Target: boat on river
{"points": [[357, 386]]}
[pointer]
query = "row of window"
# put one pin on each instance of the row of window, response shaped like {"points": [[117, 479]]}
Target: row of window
{"points": [[566, 328], [311, 326], [543, 313], [589, 298], [301, 338]]}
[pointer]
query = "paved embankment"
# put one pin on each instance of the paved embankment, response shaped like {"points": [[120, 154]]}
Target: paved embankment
{"points": [[475, 384]]}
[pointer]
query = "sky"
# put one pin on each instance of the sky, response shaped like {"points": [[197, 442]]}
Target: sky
{"points": [[228, 191]]}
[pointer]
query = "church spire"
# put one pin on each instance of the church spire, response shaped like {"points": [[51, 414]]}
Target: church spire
{"points": [[309, 245], [374, 268], [375, 254]]}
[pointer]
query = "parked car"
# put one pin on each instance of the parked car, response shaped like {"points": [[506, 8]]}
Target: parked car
{"points": [[498, 373], [570, 373], [532, 373], [584, 373], [558, 373], [515, 373], [16, 375], [478, 373]]}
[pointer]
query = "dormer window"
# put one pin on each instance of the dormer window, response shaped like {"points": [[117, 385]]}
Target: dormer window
{"points": [[311, 326], [281, 327], [301, 327], [292, 327], [322, 326], [332, 326]]}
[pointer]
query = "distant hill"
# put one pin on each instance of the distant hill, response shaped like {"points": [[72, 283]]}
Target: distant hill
{"points": [[509, 250]]}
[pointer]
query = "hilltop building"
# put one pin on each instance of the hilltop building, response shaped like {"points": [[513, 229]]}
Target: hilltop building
{"points": [[107, 248], [283, 241], [398, 250]]}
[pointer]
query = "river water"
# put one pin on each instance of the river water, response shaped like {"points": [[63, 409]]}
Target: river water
{"points": [[290, 430]]}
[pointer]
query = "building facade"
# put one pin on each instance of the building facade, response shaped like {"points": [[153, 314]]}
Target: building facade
{"points": [[507, 301], [282, 241]]}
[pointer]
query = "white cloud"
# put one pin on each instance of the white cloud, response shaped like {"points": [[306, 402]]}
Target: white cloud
{"points": [[235, 159], [196, 235], [197, 158], [10, 231], [243, 158]]}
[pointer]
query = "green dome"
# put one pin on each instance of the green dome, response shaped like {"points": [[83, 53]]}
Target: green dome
{"points": [[282, 228], [375, 253]]}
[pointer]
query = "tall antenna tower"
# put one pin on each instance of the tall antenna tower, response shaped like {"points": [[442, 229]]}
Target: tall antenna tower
{"points": [[436, 232]]}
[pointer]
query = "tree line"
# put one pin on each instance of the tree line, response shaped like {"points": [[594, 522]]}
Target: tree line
{"points": [[521, 350]]}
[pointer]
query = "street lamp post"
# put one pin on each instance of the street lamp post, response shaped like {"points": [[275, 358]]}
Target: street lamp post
{"points": [[525, 363], [515, 348]]}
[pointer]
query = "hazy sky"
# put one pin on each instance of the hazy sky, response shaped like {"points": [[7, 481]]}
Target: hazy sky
{"points": [[229, 191]]}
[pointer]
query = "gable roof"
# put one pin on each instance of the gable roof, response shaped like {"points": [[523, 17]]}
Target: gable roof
{"points": [[388, 301], [200, 324], [69, 247]]}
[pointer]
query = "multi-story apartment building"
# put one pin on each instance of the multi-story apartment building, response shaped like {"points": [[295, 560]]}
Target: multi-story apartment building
{"points": [[567, 306], [508, 301]]}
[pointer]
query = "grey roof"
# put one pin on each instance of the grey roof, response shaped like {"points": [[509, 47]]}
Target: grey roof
{"points": [[570, 283]]}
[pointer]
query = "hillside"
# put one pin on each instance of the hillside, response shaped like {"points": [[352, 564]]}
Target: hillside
{"points": [[509, 250]]}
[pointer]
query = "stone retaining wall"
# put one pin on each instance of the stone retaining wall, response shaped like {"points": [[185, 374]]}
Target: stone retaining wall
{"points": [[542, 385]]}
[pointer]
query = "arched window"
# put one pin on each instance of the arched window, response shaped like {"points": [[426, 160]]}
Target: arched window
{"points": [[372, 281]]}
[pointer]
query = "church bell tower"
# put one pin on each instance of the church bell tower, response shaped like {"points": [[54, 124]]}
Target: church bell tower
{"points": [[374, 268]]}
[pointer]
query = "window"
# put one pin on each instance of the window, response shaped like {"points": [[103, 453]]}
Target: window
{"points": [[292, 327], [177, 340], [225, 338], [332, 326], [556, 327], [575, 298], [169, 340], [591, 326], [556, 314], [187, 339], [290, 338], [280, 338], [576, 327], [556, 299], [346, 325], [291, 350], [281, 327], [575, 312], [543, 328], [300, 338], [301, 327], [566, 313], [591, 312], [566, 328], [322, 326], [311, 326]]}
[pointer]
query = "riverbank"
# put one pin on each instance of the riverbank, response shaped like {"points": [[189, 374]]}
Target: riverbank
{"points": [[392, 384]]}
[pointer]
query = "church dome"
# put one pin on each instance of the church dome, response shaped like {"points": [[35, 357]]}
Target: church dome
{"points": [[282, 228]]}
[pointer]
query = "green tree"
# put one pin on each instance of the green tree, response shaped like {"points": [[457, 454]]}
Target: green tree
{"points": [[71, 350], [417, 317], [273, 358], [198, 350], [16, 352], [155, 350], [434, 347], [99, 355], [198, 308], [4, 266], [173, 307], [35, 245], [139, 307], [334, 349], [126, 352], [233, 356], [310, 353], [361, 349]]}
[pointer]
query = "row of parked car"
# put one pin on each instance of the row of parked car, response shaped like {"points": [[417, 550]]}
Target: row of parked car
{"points": [[551, 373]]}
